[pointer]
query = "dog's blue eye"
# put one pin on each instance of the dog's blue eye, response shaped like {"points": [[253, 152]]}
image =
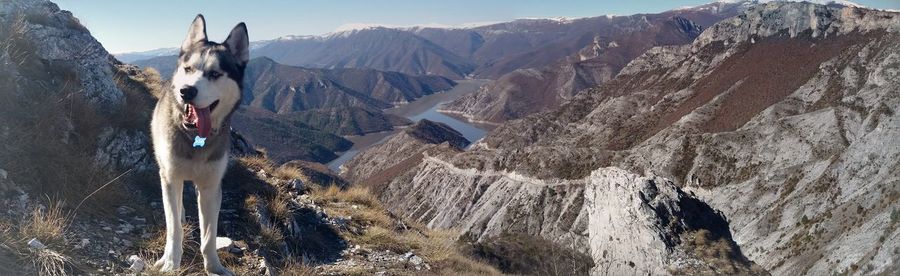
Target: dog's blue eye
{"points": [[214, 74]]}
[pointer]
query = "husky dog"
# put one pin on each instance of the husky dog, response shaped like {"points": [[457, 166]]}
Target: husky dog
{"points": [[191, 136]]}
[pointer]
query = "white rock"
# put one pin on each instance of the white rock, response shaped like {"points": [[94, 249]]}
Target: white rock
{"points": [[223, 242], [124, 210], [297, 184], [137, 264], [36, 244], [84, 243], [416, 260]]}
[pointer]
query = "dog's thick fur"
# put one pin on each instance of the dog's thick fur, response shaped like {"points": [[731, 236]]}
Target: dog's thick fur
{"points": [[216, 71]]}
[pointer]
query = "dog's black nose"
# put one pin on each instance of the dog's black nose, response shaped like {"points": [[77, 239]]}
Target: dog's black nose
{"points": [[188, 93]]}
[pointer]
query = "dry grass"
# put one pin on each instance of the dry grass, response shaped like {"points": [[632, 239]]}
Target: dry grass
{"points": [[270, 237], [705, 247], [279, 207], [257, 163], [382, 232], [285, 172], [518, 253], [297, 269], [379, 238], [191, 261], [354, 195], [719, 253], [47, 225]]}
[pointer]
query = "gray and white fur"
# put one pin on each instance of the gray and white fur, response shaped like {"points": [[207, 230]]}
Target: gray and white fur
{"points": [[209, 74]]}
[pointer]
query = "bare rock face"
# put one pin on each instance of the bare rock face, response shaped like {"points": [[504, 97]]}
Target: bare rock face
{"points": [[55, 35], [644, 225], [484, 203]]}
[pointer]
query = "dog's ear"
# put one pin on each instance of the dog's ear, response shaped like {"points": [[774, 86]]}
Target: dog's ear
{"points": [[197, 33], [238, 43]]}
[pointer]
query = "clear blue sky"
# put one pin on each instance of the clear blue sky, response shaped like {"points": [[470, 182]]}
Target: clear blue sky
{"points": [[124, 26]]}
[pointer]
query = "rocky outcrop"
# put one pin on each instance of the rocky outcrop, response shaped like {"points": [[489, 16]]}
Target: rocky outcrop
{"points": [[63, 94], [646, 226], [800, 163], [379, 163], [51, 34]]}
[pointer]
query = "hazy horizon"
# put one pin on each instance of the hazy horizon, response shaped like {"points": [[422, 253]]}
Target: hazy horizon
{"points": [[162, 24]]}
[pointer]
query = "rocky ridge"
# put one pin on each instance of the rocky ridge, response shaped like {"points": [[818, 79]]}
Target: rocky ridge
{"points": [[375, 165]]}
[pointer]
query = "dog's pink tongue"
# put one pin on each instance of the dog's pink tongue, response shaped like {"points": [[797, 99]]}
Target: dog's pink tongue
{"points": [[203, 124]]}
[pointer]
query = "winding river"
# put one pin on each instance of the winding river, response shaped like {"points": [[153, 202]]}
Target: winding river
{"points": [[422, 108]]}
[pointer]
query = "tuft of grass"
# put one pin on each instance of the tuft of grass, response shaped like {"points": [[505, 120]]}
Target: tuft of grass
{"points": [[354, 195], [257, 163], [286, 172], [294, 268], [50, 262], [270, 237], [48, 226], [279, 207], [379, 238]]}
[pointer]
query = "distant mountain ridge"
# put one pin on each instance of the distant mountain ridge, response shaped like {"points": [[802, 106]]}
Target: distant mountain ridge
{"points": [[483, 51], [526, 91], [376, 48], [281, 88]]}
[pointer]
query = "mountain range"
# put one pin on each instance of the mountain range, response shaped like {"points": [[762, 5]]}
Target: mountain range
{"points": [[777, 123], [488, 51], [614, 43]]}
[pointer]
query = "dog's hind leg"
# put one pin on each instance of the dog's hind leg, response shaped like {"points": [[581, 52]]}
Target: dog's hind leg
{"points": [[209, 200], [172, 205]]}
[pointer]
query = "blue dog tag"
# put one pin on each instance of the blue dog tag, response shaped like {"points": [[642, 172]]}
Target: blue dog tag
{"points": [[199, 142]]}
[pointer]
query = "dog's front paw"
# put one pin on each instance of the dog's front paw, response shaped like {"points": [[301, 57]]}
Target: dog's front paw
{"points": [[165, 264], [218, 270]]}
